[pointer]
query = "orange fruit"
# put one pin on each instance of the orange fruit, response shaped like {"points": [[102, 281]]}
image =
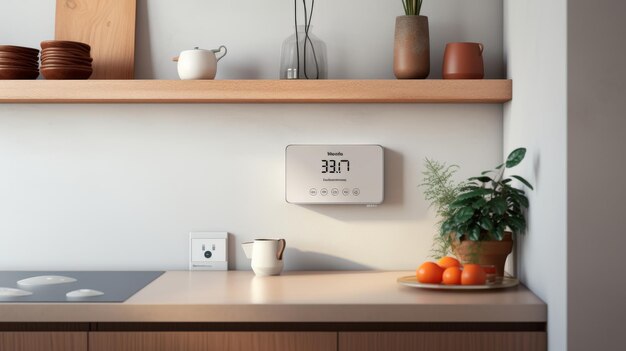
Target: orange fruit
{"points": [[429, 273], [473, 274], [447, 261], [452, 276]]}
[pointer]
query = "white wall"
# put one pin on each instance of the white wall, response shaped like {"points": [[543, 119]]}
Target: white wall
{"points": [[536, 59], [359, 38], [596, 145], [120, 186]]}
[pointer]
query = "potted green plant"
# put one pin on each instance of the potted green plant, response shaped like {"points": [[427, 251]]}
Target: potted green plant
{"points": [[487, 213], [411, 52], [441, 190]]}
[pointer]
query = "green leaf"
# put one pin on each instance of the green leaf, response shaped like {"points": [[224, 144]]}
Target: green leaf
{"points": [[517, 224], [515, 157], [461, 203], [521, 199], [474, 193], [469, 188], [518, 191], [446, 227], [514, 227], [482, 179], [498, 205], [474, 234], [485, 210], [479, 203], [497, 233], [463, 215], [523, 181], [486, 223], [485, 172]]}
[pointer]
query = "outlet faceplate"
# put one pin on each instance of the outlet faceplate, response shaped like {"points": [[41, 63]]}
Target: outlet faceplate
{"points": [[208, 251]]}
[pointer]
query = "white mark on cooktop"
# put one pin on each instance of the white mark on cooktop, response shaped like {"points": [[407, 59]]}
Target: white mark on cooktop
{"points": [[84, 293], [46, 280], [11, 292]]}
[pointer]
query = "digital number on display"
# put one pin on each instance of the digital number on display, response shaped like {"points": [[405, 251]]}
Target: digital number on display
{"points": [[333, 166]]}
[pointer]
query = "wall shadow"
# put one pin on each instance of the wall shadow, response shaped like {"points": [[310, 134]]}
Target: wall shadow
{"points": [[233, 249], [299, 260], [144, 67]]}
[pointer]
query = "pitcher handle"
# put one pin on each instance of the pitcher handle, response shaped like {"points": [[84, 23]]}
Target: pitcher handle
{"points": [[220, 49], [282, 244]]}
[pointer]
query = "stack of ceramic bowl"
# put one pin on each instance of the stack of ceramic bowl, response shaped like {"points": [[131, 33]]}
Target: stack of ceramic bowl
{"points": [[65, 60], [18, 62]]}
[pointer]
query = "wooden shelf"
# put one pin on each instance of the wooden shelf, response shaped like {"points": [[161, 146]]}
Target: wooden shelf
{"points": [[255, 91]]}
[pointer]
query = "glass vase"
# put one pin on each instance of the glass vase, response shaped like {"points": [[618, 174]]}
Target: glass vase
{"points": [[313, 62]]}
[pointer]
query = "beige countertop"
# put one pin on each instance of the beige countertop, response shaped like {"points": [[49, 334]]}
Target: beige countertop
{"points": [[239, 296]]}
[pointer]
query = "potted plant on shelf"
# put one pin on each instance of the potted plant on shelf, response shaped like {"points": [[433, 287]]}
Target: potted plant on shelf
{"points": [[411, 53], [479, 223]]}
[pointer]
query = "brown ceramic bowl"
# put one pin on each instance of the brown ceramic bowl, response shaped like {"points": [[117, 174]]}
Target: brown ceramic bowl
{"points": [[66, 73], [18, 61], [66, 55], [51, 62], [19, 50], [65, 44], [14, 56], [21, 66], [18, 73], [85, 68], [67, 59], [60, 51]]}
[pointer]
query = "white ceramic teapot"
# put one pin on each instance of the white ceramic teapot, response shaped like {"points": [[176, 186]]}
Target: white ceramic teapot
{"points": [[198, 63], [266, 255]]}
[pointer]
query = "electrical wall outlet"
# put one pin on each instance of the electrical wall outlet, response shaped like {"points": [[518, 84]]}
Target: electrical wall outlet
{"points": [[208, 251]]}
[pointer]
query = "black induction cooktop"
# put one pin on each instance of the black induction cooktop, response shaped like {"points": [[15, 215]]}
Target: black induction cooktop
{"points": [[116, 286]]}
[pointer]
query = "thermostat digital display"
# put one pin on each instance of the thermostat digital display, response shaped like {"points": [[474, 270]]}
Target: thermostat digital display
{"points": [[334, 174]]}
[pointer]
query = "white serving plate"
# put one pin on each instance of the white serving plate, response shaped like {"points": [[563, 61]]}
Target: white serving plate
{"points": [[505, 282]]}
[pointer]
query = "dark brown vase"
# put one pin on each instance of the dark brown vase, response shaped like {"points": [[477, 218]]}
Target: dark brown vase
{"points": [[463, 61], [490, 252], [411, 52]]}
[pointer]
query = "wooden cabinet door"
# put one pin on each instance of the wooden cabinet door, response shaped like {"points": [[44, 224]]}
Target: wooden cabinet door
{"points": [[442, 341], [212, 341], [43, 341]]}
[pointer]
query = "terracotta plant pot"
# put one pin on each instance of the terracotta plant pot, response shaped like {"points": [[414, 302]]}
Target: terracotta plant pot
{"points": [[463, 61], [411, 52], [491, 252]]}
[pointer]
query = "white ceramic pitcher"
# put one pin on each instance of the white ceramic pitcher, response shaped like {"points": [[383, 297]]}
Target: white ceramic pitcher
{"points": [[266, 255], [198, 63]]}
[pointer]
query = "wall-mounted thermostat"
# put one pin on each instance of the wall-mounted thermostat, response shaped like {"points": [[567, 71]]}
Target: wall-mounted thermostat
{"points": [[334, 174]]}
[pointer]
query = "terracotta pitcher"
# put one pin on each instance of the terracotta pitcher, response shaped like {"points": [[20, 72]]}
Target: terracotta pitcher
{"points": [[463, 61]]}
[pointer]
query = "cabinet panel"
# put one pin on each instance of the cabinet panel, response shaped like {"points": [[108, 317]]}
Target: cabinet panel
{"points": [[43, 341], [442, 341], [213, 341]]}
